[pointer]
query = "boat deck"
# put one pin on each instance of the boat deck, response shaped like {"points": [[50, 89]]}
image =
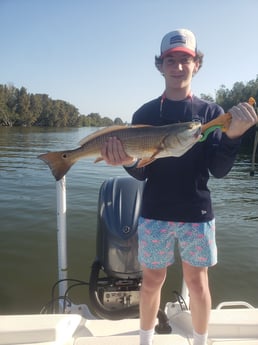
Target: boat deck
{"points": [[227, 327]]}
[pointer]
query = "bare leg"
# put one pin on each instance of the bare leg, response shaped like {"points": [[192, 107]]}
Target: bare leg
{"points": [[196, 279], [150, 296]]}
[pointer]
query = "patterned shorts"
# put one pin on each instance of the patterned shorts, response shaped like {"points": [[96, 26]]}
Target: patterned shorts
{"points": [[196, 243]]}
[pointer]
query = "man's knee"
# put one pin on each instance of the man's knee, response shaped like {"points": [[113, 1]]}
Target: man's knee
{"points": [[196, 279], [153, 279]]}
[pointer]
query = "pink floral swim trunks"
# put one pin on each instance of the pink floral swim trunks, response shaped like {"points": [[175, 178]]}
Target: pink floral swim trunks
{"points": [[196, 243]]}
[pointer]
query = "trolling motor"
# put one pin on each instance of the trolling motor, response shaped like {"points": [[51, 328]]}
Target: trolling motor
{"points": [[116, 275]]}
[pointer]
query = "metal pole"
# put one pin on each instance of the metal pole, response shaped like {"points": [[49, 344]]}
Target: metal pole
{"points": [[185, 293], [252, 102], [61, 234], [254, 152]]}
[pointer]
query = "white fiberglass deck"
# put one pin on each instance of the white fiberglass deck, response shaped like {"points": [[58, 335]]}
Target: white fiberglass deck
{"points": [[227, 327]]}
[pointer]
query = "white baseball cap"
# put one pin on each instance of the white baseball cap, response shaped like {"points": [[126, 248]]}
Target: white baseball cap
{"points": [[181, 40]]}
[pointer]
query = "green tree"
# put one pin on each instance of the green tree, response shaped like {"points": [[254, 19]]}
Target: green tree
{"points": [[72, 114], [24, 115], [36, 106], [83, 121], [106, 121], [46, 105], [239, 93], [94, 120], [118, 121], [7, 105]]}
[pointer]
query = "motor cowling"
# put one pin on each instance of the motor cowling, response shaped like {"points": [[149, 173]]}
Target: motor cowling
{"points": [[119, 207], [116, 273]]}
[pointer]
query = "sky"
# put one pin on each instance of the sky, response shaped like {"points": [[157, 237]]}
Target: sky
{"points": [[98, 55]]}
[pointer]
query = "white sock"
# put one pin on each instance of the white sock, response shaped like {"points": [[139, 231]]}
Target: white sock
{"points": [[200, 339], [146, 337]]}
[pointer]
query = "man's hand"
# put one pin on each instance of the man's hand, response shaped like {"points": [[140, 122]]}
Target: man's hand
{"points": [[243, 117], [113, 153]]}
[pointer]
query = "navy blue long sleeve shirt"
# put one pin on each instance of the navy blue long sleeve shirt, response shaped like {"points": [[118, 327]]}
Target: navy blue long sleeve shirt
{"points": [[176, 187]]}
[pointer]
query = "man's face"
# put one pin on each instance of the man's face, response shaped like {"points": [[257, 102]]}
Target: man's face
{"points": [[178, 69]]}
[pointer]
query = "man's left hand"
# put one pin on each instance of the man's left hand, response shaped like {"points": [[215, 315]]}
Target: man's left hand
{"points": [[243, 117]]}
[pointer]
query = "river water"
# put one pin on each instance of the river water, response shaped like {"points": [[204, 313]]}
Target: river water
{"points": [[28, 238]]}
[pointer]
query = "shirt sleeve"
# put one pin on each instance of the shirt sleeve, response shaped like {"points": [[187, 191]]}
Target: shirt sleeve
{"points": [[221, 153], [138, 173]]}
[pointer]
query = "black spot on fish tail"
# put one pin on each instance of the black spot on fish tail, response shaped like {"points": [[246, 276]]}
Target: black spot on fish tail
{"points": [[58, 162]]}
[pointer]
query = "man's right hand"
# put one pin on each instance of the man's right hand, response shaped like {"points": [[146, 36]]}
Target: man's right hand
{"points": [[114, 154]]}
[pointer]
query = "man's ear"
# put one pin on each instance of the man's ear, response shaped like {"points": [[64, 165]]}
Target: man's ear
{"points": [[160, 69], [196, 67]]}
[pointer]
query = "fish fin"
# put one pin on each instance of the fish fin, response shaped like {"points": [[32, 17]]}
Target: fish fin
{"points": [[107, 130], [140, 126], [58, 163], [98, 159], [99, 132], [155, 153], [145, 161]]}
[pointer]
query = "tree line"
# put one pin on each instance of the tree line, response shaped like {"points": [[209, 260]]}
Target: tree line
{"points": [[240, 92], [20, 108]]}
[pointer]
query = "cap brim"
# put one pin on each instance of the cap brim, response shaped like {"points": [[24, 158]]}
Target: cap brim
{"points": [[178, 49]]}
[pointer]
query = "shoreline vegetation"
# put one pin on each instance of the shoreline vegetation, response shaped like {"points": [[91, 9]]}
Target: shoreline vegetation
{"points": [[21, 108], [18, 107]]}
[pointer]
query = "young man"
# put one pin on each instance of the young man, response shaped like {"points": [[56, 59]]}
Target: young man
{"points": [[176, 201]]}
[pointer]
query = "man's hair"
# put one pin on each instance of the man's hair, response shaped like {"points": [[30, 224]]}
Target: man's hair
{"points": [[199, 57]]}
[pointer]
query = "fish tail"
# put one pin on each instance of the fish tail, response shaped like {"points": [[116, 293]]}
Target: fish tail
{"points": [[58, 162]]}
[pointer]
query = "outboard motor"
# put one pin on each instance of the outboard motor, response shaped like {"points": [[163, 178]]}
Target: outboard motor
{"points": [[116, 274]]}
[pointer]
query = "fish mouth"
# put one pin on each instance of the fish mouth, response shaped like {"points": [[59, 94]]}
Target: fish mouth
{"points": [[198, 133]]}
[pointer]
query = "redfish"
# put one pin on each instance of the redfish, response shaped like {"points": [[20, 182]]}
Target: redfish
{"points": [[145, 142]]}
